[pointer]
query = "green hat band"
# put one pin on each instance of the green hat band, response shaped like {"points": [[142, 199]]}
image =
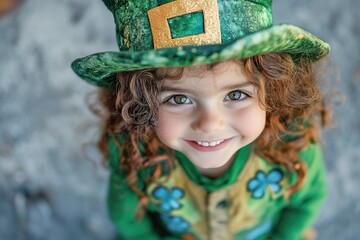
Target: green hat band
{"points": [[145, 25]]}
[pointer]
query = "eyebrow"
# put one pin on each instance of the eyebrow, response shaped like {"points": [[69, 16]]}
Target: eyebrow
{"points": [[224, 88]]}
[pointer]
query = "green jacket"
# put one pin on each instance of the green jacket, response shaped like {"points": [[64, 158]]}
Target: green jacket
{"points": [[246, 203]]}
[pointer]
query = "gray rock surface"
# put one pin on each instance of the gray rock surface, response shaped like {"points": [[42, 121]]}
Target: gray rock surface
{"points": [[52, 182]]}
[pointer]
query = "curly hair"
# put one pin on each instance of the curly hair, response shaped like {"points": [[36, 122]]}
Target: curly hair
{"points": [[288, 91]]}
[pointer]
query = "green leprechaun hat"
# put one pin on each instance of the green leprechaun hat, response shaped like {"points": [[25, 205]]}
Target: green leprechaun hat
{"points": [[179, 33]]}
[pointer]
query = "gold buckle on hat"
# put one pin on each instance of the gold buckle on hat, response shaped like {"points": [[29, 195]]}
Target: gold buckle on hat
{"points": [[158, 18]]}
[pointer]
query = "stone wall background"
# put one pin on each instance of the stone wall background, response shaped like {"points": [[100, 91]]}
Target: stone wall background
{"points": [[52, 183]]}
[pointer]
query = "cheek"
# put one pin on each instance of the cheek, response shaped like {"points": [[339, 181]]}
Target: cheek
{"points": [[170, 127], [251, 121]]}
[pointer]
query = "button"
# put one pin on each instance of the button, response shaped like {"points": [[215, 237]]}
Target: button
{"points": [[223, 204]]}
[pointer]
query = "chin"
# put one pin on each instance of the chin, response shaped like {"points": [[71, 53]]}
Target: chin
{"points": [[209, 165]]}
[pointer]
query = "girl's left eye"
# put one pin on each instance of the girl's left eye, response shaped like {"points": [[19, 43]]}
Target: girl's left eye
{"points": [[236, 95]]}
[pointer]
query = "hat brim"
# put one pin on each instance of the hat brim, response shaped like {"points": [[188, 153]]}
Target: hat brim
{"points": [[100, 68]]}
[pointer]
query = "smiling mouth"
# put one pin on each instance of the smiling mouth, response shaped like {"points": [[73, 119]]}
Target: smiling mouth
{"points": [[205, 146], [209, 144]]}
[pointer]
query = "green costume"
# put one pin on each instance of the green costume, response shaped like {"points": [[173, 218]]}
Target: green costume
{"points": [[246, 203]]}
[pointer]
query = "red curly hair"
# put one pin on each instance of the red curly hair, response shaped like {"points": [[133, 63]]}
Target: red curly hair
{"points": [[295, 112]]}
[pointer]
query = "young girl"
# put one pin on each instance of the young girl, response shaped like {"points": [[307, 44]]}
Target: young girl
{"points": [[210, 121]]}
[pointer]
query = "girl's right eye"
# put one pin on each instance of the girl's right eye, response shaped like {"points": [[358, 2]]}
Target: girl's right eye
{"points": [[178, 99]]}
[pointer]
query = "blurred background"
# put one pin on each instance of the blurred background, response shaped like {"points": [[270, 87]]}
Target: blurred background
{"points": [[52, 183]]}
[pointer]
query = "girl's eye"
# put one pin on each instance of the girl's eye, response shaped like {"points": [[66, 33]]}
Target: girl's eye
{"points": [[236, 95], [179, 99]]}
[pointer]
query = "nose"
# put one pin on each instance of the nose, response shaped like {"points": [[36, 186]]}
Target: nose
{"points": [[208, 121]]}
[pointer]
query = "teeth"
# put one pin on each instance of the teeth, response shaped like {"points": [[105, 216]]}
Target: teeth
{"points": [[211, 144]]}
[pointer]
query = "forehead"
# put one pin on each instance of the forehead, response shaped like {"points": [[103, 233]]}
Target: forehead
{"points": [[227, 72]]}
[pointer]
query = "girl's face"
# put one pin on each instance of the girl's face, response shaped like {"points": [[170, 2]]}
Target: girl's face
{"points": [[208, 115]]}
